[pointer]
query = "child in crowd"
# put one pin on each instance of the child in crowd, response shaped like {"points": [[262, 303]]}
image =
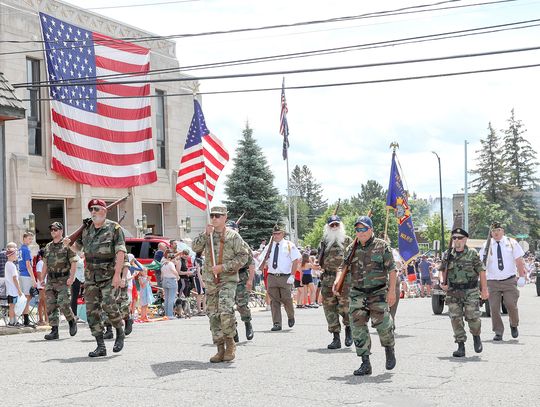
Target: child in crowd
{"points": [[145, 294], [134, 269], [13, 289], [42, 307]]}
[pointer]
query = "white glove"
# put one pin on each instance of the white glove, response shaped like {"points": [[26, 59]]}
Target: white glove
{"points": [[521, 282], [290, 280]]}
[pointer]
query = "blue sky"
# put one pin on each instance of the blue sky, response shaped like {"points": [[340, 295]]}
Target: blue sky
{"points": [[343, 134]]}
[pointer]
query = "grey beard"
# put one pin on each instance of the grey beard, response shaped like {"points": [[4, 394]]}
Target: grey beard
{"points": [[98, 219], [334, 236]]}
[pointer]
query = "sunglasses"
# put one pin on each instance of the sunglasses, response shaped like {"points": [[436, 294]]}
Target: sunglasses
{"points": [[216, 215], [334, 225], [54, 230], [458, 237], [364, 229], [95, 208]]}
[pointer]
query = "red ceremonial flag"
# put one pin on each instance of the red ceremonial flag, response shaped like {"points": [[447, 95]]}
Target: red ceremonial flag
{"points": [[203, 159], [98, 141]]}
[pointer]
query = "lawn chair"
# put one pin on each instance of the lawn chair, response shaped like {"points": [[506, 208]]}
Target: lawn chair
{"points": [[4, 308]]}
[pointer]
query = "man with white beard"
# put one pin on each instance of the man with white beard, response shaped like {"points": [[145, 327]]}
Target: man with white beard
{"points": [[331, 252]]}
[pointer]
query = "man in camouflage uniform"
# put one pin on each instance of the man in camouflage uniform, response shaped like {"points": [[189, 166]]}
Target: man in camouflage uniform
{"points": [[331, 251], [459, 276], [105, 250], [221, 280], [245, 284], [373, 280], [123, 302], [59, 266]]}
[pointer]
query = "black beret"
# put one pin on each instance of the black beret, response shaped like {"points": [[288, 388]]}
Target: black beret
{"points": [[460, 231]]}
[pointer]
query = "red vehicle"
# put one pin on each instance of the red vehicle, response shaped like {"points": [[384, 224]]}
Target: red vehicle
{"points": [[144, 249]]}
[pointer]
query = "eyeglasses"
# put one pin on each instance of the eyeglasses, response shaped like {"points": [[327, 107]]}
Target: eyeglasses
{"points": [[216, 215], [458, 237], [334, 225], [364, 229], [54, 230], [95, 208]]}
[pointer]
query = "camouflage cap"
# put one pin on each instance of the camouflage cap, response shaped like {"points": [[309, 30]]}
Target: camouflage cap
{"points": [[278, 228], [218, 210], [56, 225], [460, 231], [497, 225], [96, 202]]}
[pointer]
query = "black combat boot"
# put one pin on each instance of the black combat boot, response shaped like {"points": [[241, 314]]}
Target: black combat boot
{"points": [[477, 344], [390, 357], [101, 350], [53, 334], [72, 327], [108, 333], [119, 342], [236, 337], [129, 326], [249, 330], [348, 336], [336, 342], [365, 367], [460, 352]]}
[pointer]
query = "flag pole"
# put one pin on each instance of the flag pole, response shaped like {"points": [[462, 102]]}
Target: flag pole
{"points": [[289, 198], [393, 146]]}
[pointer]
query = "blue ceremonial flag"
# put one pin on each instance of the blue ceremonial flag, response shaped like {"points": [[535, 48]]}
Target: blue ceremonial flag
{"points": [[397, 199]]}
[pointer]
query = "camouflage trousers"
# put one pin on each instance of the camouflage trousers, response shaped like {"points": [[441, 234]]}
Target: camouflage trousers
{"points": [[363, 307], [464, 303], [242, 297], [101, 297], [57, 295], [220, 307], [122, 299], [334, 305]]}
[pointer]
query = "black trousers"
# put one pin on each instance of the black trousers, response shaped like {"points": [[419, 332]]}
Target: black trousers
{"points": [[75, 291]]}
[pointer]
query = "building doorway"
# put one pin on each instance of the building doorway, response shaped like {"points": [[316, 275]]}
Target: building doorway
{"points": [[154, 217], [47, 211]]}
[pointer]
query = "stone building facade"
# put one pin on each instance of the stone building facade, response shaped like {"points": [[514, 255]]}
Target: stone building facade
{"points": [[32, 187]]}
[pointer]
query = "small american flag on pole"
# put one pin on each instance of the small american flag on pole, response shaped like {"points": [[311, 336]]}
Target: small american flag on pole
{"points": [[203, 159], [95, 140], [284, 125]]}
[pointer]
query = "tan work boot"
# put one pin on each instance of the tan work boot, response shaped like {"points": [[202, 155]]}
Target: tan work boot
{"points": [[218, 357], [230, 348]]}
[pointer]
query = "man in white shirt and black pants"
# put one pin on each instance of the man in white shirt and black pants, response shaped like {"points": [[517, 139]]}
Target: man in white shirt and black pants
{"points": [[504, 258], [282, 264]]}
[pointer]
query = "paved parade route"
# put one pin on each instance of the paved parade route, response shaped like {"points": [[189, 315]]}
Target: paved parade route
{"points": [[166, 364]]}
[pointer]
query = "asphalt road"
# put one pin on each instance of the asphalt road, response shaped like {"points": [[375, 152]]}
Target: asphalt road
{"points": [[166, 364]]}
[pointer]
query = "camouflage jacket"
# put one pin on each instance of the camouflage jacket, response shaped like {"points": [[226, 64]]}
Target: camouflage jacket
{"points": [[250, 261], [333, 255], [371, 265], [464, 267], [235, 254], [58, 259], [100, 247]]}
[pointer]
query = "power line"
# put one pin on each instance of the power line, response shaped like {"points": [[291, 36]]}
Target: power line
{"points": [[142, 4], [325, 85], [282, 72], [375, 14]]}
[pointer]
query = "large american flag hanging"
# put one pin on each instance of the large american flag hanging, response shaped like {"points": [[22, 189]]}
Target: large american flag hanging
{"points": [[98, 141], [203, 159]]}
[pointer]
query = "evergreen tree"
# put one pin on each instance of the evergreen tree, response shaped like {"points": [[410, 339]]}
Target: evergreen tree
{"points": [[250, 189], [482, 213], [490, 169]]}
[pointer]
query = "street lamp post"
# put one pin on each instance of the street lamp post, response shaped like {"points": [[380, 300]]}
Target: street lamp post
{"points": [[440, 198]]}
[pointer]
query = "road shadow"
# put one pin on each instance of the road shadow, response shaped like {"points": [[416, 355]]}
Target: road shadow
{"points": [[283, 331], [509, 342], [401, 336], [473, 359], [44, 340], [324, 351], [82, 359], [351, 379], [179, 366]]}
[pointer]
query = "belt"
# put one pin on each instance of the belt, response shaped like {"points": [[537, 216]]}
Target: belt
{"points": [[370, 290], [58, 275], [464, 286], [280, 274], [99, 261], [505, 279]]}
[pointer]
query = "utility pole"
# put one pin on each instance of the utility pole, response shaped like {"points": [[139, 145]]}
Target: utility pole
{"points": [[466, 195]]}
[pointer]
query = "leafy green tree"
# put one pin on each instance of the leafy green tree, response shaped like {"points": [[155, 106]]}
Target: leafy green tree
{"points": [[433, 230], [250, 189], [490, 169], [482, 213]]}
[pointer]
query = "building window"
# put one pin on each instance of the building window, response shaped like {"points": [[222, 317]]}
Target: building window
{"points": [[160, 129], [33, 112]]}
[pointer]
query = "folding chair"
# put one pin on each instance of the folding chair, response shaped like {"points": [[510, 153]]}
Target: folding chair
{"points": [[4, 308]]}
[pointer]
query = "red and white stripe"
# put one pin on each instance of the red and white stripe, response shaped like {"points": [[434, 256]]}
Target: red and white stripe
{"points": [[111, 146], [199, 163]]}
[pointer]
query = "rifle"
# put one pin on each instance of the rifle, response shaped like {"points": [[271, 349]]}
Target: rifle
{"points": [[488, 248], [447, 262], [345, 270], [323, 243], [88, 221], [267, 256]]}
